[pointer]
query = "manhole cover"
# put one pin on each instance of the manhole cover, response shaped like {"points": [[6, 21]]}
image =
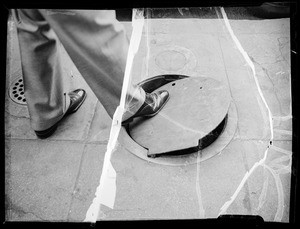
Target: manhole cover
{"points": [[16, 91], [224, 131], [197, 110]]}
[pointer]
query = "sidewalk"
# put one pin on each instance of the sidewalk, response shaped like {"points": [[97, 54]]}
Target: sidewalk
{"points": [[56, 179]]}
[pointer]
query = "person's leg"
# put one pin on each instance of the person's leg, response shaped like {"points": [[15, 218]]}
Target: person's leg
{"points": [[98, 46], [45, 90]]}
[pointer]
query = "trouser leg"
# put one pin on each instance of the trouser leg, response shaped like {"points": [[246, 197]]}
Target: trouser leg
{"points": [[97, 44], [45, 89]]}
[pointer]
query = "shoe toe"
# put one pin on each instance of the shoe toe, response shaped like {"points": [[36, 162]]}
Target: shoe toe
{"points": [[163, 95], [77, 94], [77, 98], [80, 93]]}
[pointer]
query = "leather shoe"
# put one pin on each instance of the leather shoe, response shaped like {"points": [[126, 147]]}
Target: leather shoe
{"points": [[154, 102], [77, 97]]}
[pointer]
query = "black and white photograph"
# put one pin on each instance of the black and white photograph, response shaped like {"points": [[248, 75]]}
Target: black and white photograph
{"points": [[150, 113]]}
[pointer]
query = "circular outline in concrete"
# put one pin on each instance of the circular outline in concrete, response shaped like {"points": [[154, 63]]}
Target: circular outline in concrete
{"points": [[190, 59], [170, 60]]}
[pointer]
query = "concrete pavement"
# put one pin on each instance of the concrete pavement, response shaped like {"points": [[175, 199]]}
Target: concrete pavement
{"points": [[56, 179]]}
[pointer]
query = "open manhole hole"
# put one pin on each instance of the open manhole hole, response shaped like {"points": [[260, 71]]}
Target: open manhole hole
{"points": [[16, 91], [199, 117]]}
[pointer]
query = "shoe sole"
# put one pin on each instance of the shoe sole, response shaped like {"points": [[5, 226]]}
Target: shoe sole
{"points": [[48, 133]]}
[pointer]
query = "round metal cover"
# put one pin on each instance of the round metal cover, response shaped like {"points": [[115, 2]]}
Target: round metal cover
{"points": [[208, 152], [196, 107], [16, 91]]}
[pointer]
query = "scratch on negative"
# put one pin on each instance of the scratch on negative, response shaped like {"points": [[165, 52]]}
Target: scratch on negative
{"points": [[198, 190], [262, 161]]}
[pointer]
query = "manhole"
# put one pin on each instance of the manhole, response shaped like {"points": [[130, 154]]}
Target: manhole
{"points": [[209, 133], [16, 91], [197, 106]]}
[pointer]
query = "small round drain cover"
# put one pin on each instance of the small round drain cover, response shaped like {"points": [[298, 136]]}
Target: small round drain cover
{"points": [[16, 91], [197, 105]]}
